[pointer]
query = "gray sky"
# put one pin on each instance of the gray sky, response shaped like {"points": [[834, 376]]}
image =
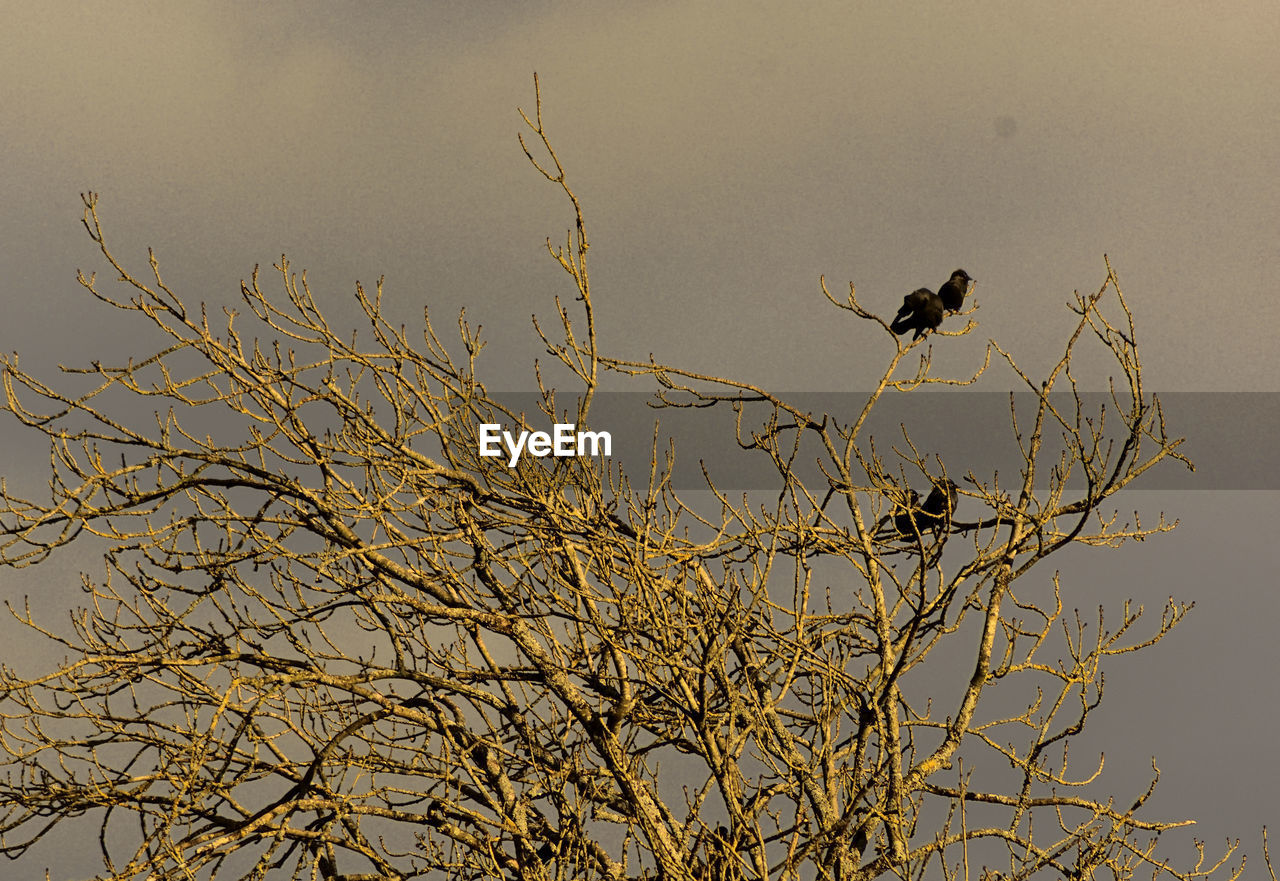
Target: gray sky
{"points": [[727, 155]]}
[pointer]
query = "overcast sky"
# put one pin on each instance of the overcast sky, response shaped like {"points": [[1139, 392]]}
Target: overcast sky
{"points": [[727, 155]]}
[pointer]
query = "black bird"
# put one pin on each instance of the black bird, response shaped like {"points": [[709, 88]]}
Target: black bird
{"points": [[921, 310], [934, 514], [904, 516], [953, 292], [938, 508]]}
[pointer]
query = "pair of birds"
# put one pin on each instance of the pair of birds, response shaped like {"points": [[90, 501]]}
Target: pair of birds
{"points": [[922, 309], [916, 518]]}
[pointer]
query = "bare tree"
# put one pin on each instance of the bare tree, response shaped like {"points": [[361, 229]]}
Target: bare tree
{"points": [[334, 641]]}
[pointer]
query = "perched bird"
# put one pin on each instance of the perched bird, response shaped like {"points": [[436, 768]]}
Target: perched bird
{"points": [[921, 310], [941, 503], [934, 514], [903, 516], [953, 292]]}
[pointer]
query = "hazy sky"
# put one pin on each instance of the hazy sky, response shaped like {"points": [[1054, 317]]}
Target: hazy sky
{"points": [[726, 155]]}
